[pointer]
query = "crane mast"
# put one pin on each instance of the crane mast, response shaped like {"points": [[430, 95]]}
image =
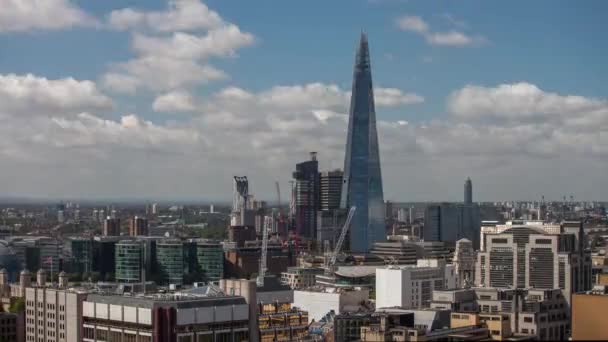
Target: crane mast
{"points": [[262, 273], [338, 247]]}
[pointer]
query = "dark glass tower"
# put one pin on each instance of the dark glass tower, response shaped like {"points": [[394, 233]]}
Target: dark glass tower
{"points": [[362, 184], [307, 196], [468, 192]]}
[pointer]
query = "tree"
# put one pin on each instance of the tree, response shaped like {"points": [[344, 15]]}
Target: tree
{"points": [[17, 305]]}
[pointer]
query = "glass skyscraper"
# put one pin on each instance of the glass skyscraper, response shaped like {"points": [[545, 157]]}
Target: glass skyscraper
{"points": [[362, 184]]}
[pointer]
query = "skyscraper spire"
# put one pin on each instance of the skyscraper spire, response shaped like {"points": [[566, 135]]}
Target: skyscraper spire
{"points": [[362, 176]]}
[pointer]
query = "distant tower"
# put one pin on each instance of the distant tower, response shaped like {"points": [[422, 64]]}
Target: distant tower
{"points": [[468, 192], [362, 184]]}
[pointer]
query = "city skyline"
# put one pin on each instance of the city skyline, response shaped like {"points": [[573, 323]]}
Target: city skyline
{"points": [[97, 101]]}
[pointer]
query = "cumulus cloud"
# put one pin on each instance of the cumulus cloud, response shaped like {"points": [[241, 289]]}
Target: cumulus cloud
{"points": [[180, 15], [26, 15], [174, 49], [521, 101], [175, 101], [448, 38], [32, 95]]}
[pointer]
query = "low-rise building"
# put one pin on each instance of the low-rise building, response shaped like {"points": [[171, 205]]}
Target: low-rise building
{"points": [[318, 301], [589, 319], [300, 277], [174, 317], [411, 286]]}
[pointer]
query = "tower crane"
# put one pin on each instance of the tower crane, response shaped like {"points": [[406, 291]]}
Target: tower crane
{"points": [[334, 256], [262, 272]]}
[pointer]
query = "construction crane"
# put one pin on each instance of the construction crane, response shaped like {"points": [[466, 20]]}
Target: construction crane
{"points": [[262, 273], [338, 247]]}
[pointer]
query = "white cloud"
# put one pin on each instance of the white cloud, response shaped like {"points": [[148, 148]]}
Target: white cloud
{"points": [[174, 101], [26, 15], [180, 15], [520, 101], [412, 23], [220, 42], [31, 95], [449, 38], [159, 73], [166, 57], [392, 97]]}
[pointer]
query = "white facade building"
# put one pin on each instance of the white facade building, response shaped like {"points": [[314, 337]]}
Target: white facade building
{"points": [[411, 287], [319, 301]]}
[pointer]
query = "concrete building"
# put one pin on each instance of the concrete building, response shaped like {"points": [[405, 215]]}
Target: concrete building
{"points": [[318, 301], [53, 314], [406, 251], [245, 262], [412, 287], [277, 319], [464, 260], [531, 257], [111, 226], [537, 314], [175, 317], [589, 319], [300, 277], [138, 226]]}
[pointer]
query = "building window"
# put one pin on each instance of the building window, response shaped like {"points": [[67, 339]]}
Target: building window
{"points": [[528, 319]]}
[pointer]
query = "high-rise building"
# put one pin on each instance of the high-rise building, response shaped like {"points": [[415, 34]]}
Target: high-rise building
{"points": [[154, 208], [306, 179], [330, 188], [531, 257], [464, 260], [111, 227], [468, 192], [449, 222], [362, 184], [138, 226]]}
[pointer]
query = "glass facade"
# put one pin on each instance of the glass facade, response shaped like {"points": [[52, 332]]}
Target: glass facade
{"points": [[362, 184], [170, 260], [129, 261], [210, 257]]}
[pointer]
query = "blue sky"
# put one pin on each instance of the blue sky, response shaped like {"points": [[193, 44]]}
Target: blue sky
{"points": [[542, 52]]}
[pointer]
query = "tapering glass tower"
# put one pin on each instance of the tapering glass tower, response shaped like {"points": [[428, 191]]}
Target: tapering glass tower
{"points": [[362, 184]]}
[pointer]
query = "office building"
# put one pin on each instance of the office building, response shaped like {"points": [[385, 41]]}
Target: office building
{"points": [[589, 319], [530, 257], [306, 177], [170, 261], [329, 227], [468, 192], [411, 287], [129, 261], [175, 317], [210, 260], [362, 184], [53, 314], [80, 251], [449, 222], [111, 226], [104, 260], [330, 188], [539, 314], [408, 251], [138, 226]]}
